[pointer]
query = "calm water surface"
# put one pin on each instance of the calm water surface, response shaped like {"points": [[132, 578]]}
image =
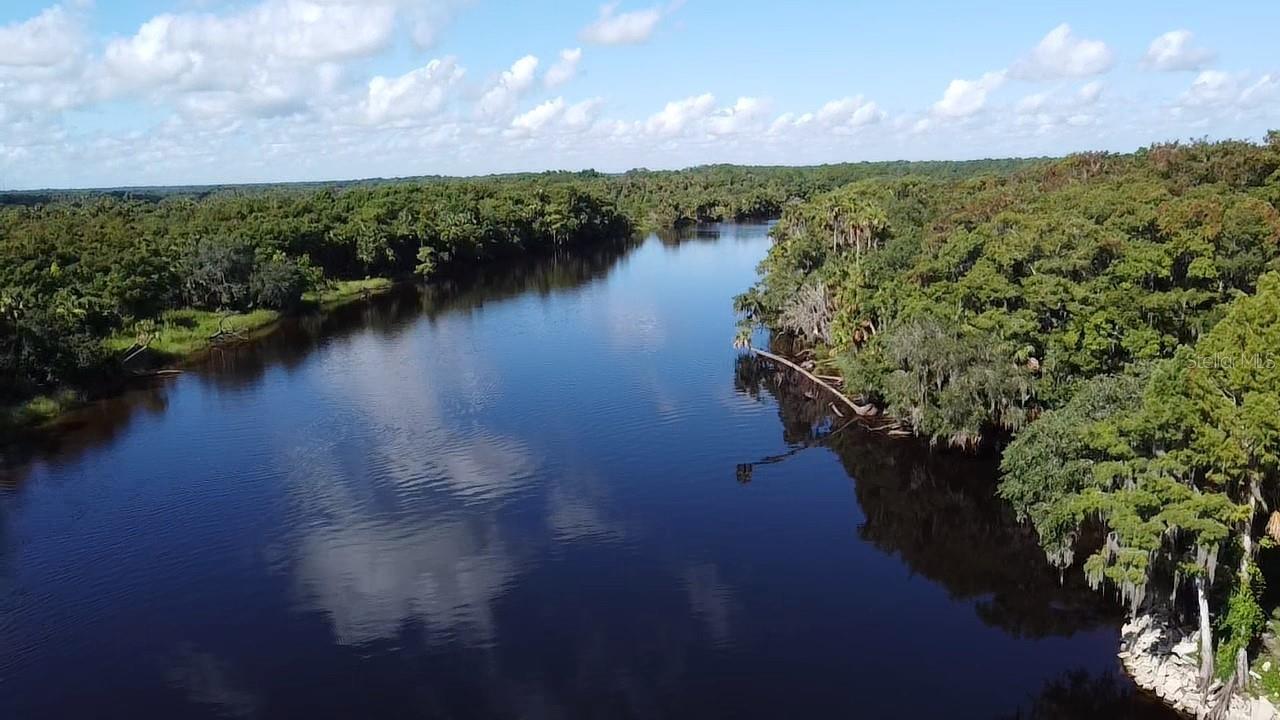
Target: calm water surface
{"points": [[550, 493]]}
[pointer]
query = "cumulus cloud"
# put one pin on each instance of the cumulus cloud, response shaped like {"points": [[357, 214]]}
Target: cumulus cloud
{"points": [[680, 114], [45, 40], [555, 115], [1260, 91], [43, 60], [788, 121], [849, 112], [739, 117], [1047, 111], [1174, 51], [1061, 54], [414, 95], [1211, 87], [1215, 89], [198, 49], [966, 97], [266, 58], [261, 97], [838, 117], [626, 28], [564, 69], [538, 118], [503, 93], [582, 114]]}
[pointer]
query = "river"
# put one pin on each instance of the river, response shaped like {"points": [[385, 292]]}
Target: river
{"points": [[547, 492]]}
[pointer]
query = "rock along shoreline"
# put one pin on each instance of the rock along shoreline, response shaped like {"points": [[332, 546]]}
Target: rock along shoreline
{"points": [[1161, 657]]}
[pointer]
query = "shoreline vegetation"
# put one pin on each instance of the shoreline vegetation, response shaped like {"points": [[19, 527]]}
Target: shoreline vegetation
{"points": [[1111, 324], [180, 336], [92, 280]]}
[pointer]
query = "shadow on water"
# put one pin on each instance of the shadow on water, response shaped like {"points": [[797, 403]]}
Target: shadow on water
{"points": [[288, 345], [936, 512], [708, 233], [1082, 695]]}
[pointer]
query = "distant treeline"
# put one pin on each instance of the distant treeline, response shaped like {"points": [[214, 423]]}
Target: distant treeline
{"points": [[79, 267], [1118, 316], [648, 194]]}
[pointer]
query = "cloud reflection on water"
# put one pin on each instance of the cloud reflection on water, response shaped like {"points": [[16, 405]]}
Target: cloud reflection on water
{"points": [[383, 542]]}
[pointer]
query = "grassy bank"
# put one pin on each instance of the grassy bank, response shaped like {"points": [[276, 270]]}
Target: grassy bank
{"points": [[39, 410], [179, 335], [345, 291]]}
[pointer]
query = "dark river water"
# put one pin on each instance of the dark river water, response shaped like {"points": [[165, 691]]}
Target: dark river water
{"points": [[551, 492]]}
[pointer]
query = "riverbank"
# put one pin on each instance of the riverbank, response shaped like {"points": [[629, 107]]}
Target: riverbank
{"points": [[179, 336], [1162, 657]]}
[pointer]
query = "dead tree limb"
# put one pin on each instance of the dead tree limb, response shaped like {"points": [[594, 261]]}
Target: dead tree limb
{"points": [[817, 380]]}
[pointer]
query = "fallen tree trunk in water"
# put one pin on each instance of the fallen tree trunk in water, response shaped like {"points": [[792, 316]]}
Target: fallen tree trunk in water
{"points": [[859, 410], [817, 380]]}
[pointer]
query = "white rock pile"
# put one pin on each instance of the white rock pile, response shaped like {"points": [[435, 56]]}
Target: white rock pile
{"points": [[1162, 657]]}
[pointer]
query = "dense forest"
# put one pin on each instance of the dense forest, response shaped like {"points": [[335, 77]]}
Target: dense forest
{"points": [[1114, 318], [90, 278]]}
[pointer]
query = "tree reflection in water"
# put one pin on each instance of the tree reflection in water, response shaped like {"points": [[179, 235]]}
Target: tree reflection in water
{"points": [[243, 365], [936, 511], [1081, 695]]}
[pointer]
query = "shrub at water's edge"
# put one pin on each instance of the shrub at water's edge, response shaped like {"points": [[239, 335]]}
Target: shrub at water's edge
{"points": [[177, 335]]}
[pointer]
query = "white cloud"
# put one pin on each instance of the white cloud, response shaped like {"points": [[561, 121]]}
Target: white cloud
{"points": [[1032, 103], [555, 116], [427, 18], [627, 28], [46, 40], [272, 55], [537, 118], [201, 48], [849, 112], [503, 93], [261, 97], [966, 97], [1044, 111], [1222, 90], [836, 117], [1174, 51], [412, 96], [1060, 54], [788, 121], [1211, 87], [564, 69], [679, 114], [582, 114], [1261, 91], [1089, 93], [741, 116]]}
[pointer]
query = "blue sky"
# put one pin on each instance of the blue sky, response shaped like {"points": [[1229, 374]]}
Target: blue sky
{"points": [[199, 91]]}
